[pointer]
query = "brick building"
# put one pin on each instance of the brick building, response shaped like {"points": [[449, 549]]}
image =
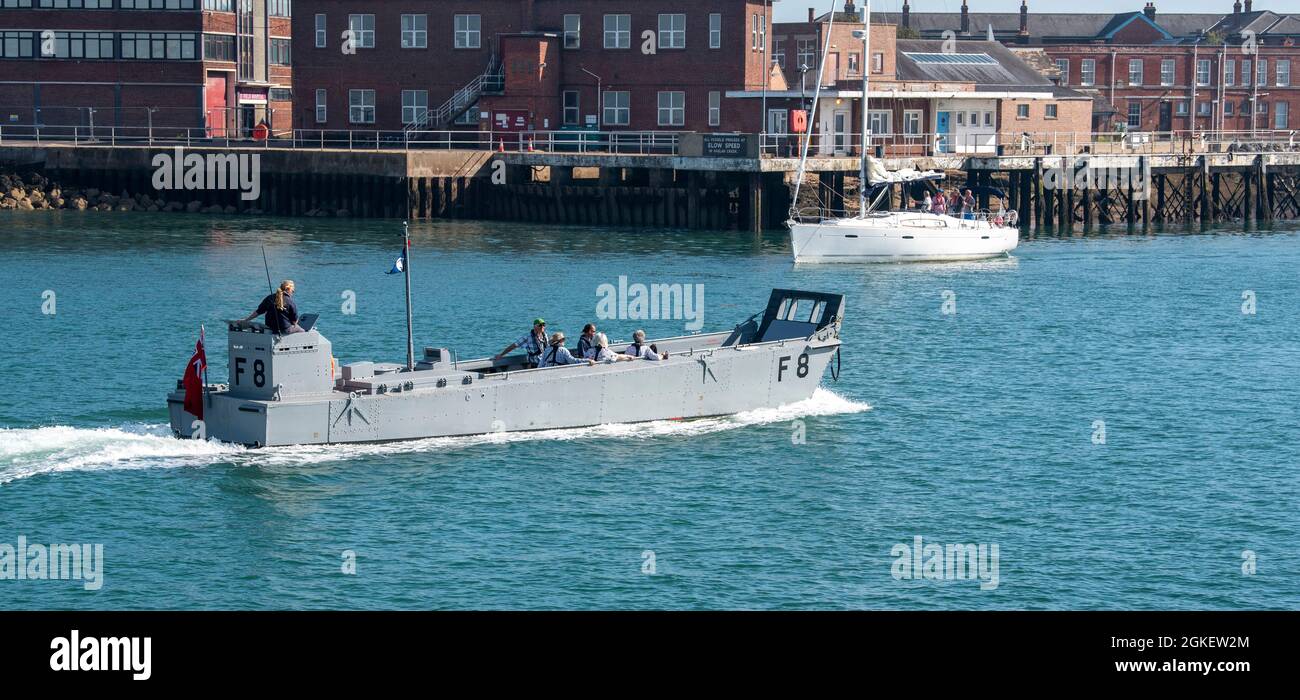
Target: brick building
{"points": [[219, 65], [528, 64], [1152, 71], [925, 97]]}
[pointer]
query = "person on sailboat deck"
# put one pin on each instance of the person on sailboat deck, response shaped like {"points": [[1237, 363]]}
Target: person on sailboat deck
{"points": [[533, 343], [281, 312], [968, 205], [927, 204], [638, 348], [938, 205], [607, 356], [586, 341], [557, 355]]}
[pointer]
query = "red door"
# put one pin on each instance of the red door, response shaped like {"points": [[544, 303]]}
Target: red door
{"points": [[215, 103]]}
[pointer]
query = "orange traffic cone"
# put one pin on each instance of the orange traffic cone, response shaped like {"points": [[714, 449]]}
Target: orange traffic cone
{"points": [[532, 143], [501, 146]]}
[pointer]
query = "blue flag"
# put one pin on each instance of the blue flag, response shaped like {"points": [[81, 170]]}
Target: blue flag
{"points": [[400, 265]]}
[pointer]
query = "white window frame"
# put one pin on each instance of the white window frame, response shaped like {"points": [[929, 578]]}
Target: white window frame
{"points": [[1261, 72], [1246, 72], [1022, 111], [855, 63], [1088, 71], [412, 110], [1168, 72], [1063, 65], [1050, 110], [808, 48], [1134, 120], [1202, 72], [672, 36], [1229, 72], [673, 113], [322, 37], [618, 31], [573, 35], [880, 121], [1283, 72], [322, 106], [715, 108], [362, 37], [912, 122], [620, 112], [1136, 72], [358, 104], [715, 30], [468, 31], [415, 31], [1281, 115]]}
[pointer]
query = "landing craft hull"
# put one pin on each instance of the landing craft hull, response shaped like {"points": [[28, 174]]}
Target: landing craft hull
{"points": [[705, 375], [900, 238]]}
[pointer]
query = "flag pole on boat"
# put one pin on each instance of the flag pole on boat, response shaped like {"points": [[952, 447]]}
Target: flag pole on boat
{"points": [[406, 272]]}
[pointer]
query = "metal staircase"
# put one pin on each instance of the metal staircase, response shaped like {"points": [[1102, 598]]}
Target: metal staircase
{"points": [[490, 81]]}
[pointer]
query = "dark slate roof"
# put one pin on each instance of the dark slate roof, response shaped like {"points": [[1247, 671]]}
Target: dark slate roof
{"points": [[1262, 22], [1007, 71], [1049, 24]]}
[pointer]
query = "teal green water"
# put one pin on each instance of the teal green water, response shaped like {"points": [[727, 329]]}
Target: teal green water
{"points": [[981, 426]]}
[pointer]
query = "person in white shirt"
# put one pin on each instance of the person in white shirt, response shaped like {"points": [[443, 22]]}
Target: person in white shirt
{"points": [[607, 356], [556, 354], [638, 348]]}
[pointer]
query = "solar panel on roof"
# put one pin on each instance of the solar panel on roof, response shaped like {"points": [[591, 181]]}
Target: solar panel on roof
{"points": [[956, 59]]}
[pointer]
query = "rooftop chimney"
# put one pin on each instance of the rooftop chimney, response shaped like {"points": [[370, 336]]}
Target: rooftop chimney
{"points": [[907, 14], [1024, 18], [1236, 7], [1248, 5], [1150, 11], [965, 18], [849, 9], [811, 16]]}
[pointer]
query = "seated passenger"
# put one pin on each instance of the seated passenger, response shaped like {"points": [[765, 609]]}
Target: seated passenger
{"points": [[281, 312], [557, 355], [607, 356], [586, 341], [638, 348]]}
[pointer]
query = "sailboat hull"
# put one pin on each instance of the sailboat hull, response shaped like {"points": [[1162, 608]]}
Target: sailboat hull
{"points": [[900, 237]]}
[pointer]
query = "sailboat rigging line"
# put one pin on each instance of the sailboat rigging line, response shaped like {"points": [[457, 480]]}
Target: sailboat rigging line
{"points": [[812, 117]]}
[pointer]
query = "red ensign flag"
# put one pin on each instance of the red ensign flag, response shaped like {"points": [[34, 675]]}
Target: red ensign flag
{"points": [[193, 380]]}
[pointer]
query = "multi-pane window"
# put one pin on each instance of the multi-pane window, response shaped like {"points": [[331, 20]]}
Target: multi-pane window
{"points": [[988, 119], [362, 31], [321, 112], [618, 31], [469, 31], [211, 5], [572, 113], [279, 8], [1261, 108], [280, 94], [1280, 115], [1051, 111], [280, 54], [320, 32], [1167, 71], [1284, 73], [807, 54], [158, 5], [672, 108], [855, 62], [15, 3], [83, 45], [1245, 72], [159, 45], [880, 121], [877, 62], [1135, 71], [672, 31], [219, 47], [415, 31], [1203, 72], [1261, 73], [1022, 111], [912, 122], [469, 116], [617, 108], [757, 32], [1228, 106], [1134, 114], [415, 104], [71, 4], [572, 31], [715, 108], [1063, 65], [778, 52], [1229, 72], [361, 106], [1088, 71], [715, 31], [1180, 108]]}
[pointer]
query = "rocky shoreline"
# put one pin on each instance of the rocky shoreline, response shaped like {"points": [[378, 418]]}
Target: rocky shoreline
{"points": [[34, 191]]}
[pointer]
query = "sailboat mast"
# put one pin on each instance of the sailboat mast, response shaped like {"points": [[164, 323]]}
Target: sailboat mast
{"points": [[866, 114]]}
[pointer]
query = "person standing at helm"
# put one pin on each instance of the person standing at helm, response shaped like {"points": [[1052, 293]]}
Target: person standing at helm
{"points": [[533, 343], [557, 354], [281, 313]]}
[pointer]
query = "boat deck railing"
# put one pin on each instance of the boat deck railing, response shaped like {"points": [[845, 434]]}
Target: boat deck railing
{"points": [[996, 218]]}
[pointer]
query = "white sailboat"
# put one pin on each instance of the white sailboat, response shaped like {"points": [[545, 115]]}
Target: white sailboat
{"points": [[891, 236]]}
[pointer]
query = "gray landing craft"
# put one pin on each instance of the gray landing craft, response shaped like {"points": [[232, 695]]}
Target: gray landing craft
{"points": [[285, 390]]}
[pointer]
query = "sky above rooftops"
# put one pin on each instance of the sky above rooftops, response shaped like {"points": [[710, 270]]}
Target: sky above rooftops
{"points": [[797, 10]]}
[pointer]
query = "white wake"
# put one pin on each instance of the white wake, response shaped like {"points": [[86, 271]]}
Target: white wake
{"points": [[28, 452]]}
